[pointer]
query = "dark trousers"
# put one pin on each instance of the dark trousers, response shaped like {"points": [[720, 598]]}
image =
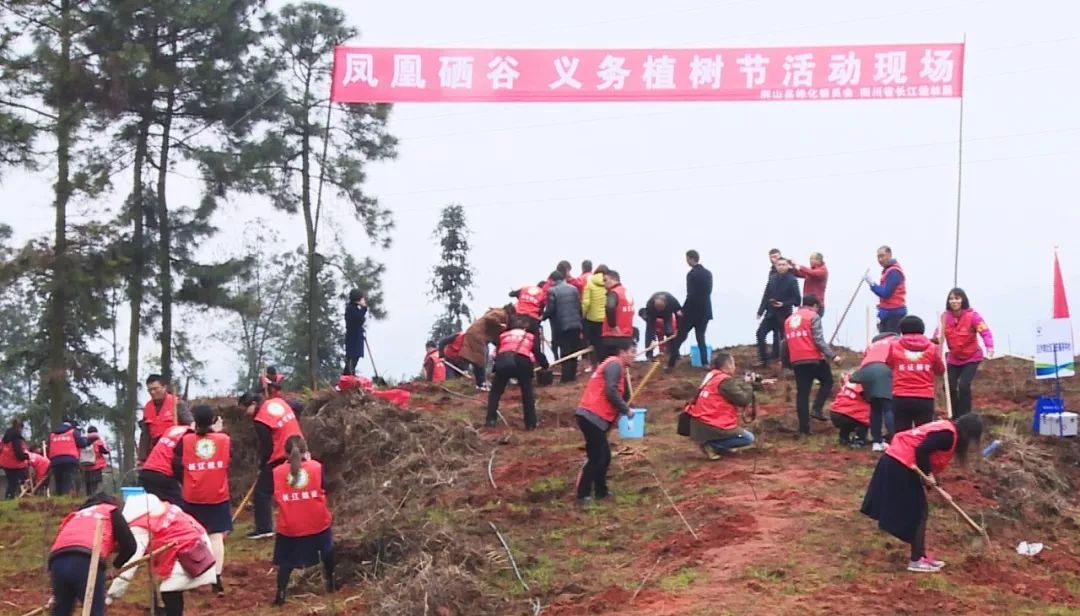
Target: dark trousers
{"points": [[533, 327], [890, 323], [918, 544], [770, 323], [592, 331], [510, 365], [165, 488], [685, 325], [15, 477], [881, 413], [479, 374], [92, 479], [69, 573], [911, 412], [805, 375], [350, 365], [847, 427], [960, 378], [566, 343], [598, 451], [63, 478], [263, 499], [283, 573]]}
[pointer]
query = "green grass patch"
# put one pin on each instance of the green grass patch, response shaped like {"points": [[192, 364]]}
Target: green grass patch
{"points": [[934, 582], [678, 580], [766, 574]]}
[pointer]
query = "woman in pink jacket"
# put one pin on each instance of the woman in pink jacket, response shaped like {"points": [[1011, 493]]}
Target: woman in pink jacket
{"points": [[963, 328]]}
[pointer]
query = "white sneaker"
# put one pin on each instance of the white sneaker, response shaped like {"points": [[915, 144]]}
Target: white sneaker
{"points": [[879, 447], [923, 565]]}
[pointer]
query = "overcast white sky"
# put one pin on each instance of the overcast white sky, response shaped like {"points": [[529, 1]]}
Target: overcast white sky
{"points": [[635, 185]]}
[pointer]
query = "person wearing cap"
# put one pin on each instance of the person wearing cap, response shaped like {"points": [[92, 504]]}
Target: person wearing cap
{"points": [[92, 471]]}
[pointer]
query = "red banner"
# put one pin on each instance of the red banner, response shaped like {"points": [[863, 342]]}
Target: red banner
{"points": [[400, 75]]}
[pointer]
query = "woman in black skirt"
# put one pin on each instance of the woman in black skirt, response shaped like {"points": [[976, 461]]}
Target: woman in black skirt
{"points": [[304, 536], [202, 464], [896, 497]]}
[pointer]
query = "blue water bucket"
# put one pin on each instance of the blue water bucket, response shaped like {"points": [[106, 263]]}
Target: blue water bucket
{"points": [[695, 356], [129, 491], [632, 428]]}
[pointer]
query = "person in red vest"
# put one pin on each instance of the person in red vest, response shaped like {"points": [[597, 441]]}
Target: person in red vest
{"points": [[158, 475], [65, 441], [850, 414], [450, 350], [201, 461], [304, 525], [530, 308], [162, 411], [816, 278], [69, 557], [39, 464], [661, 316], [270, 376], [186, 564], [514, 360], [617, 331], [14, 458], [604, 399], [963, 328], [275, 421], [915, 362], [92, 472], [891, 290], [896, 497], [714, 412], [434, 369], [809, 355], [875, 376]]}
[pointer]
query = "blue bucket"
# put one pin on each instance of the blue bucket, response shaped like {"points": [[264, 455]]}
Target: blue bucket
{"points": [[695, 356], [632, 428], [129, 491]]}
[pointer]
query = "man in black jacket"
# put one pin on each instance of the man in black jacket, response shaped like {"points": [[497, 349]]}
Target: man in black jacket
{"points": [[563, 311], [779, 300], [697, 309], [661, 306]]}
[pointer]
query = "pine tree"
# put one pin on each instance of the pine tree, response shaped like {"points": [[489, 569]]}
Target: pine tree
{"points": [[452, 278]]}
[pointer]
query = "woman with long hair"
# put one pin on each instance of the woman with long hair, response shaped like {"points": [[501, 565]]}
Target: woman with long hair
{"points": [[304, 536], [963, 328], [202, 464]]}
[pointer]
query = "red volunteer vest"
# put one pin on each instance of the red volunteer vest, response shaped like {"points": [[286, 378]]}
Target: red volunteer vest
{"points": [[516, 341], [453, 350], [878, 352], [904, 444], [849, 401], [280, 418], [7, 457], [63, 444], [624, 315], [658, 326], [799, 336], [206, 467], [77, 530], [99, 457], [578, 282], [173, 526], [710, 407], [594, 400], [961, 336], [438, 368], [529, 302], [913, 371], [161, 456], [158, 422], [899, 296], [40, 465], [302, 510]]}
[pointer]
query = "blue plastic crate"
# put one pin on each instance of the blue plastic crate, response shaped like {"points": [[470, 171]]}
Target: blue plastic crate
{"points": [[695, 356]]}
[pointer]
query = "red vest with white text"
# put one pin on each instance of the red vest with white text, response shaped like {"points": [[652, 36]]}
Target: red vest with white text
{"points": [[914, 371], [438, 368], [799, 336], [161, 456], [904, 443], [302, 510], [594, 400], [529, 302], [624, 315], [276, 414], [63, 444], [157, 422], [849, 401], [899, 296], [516, 341], [206, 467], [172, 526], [78, 528], [711, 408]]}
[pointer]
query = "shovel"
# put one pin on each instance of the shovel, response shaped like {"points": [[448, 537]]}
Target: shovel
{"points": [[949, 499], [378, 380]]}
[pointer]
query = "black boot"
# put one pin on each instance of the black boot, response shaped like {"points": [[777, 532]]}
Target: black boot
{"points": [[279, 598], [330, 585], [219, 587]]}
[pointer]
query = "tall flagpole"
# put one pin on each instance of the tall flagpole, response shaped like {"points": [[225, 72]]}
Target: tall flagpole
{"points": [[959, 171]]}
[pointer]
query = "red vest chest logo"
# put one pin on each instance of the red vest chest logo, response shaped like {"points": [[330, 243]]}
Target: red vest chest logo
{"points": [[205, 448]]}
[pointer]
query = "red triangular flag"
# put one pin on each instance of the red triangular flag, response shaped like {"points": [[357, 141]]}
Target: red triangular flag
{"points": [[1061, 304]]}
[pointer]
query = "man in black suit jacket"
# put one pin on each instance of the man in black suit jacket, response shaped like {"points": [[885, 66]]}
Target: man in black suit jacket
{"points": [[779, 300], [696, 310]]}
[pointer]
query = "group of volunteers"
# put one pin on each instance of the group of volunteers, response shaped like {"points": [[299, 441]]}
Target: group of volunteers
{"points": [[180, 522], [887, 400]]}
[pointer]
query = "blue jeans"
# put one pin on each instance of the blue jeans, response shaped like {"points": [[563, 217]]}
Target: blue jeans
{"points": [[880, 411], [743, 439], [69, 573]]}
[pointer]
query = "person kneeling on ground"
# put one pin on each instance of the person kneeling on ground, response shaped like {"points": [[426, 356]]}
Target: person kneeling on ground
{"points": [[851, 414], [714, 415], [896, 497], [604, 400]]}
